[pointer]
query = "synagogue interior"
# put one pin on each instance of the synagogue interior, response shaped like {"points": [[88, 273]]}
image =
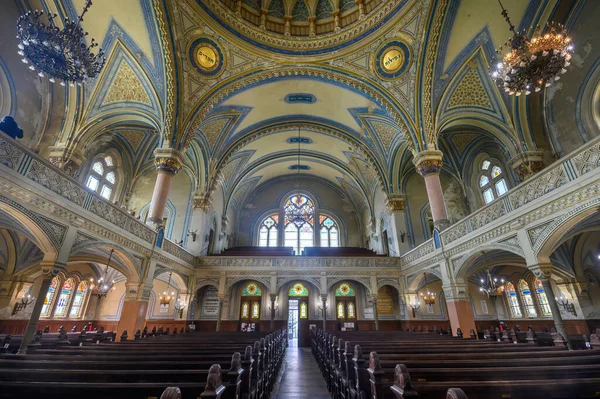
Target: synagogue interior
{"points": [[379, 198]]}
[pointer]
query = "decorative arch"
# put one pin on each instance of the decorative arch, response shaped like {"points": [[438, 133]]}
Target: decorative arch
{"points": [[463, 265], [98, 252]]}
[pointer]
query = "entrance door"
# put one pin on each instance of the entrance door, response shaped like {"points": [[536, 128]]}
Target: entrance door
{"points": [[250, 308], [293, 317], [298, 305], [345, 307]]}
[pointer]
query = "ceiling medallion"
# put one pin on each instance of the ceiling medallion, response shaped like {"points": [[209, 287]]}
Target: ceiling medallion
{"points": [[206, 56], [392, 59], [62, 54], [532, 63]]}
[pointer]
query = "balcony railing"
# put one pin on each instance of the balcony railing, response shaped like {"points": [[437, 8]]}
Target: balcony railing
{"points": [[22, 160]]}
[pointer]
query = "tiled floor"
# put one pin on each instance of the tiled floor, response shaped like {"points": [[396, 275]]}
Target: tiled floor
{"points": [[301, 378]]}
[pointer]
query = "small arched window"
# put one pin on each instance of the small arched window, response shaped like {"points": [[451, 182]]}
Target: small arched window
{"points": [[515, 308], [47, 308], [245, 310], [329, 232], [541, 293], [341, 311], [303, 310], [267, 232], [63, 298], [77, 305], [255, 310], [492, 183], [527, 299], [351, 312], [102, 178]]}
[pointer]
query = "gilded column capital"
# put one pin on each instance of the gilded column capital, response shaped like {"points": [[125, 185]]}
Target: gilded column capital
{"points": [[202, 200], [428, 162], [168, 160], [527, 164], [395, 202]]}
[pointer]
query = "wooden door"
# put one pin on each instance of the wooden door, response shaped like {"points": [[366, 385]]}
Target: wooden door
{"points": [[303, 325], [345, 310], [250, 314]]}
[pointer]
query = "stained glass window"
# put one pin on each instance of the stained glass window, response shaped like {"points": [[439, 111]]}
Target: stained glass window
{"points": [[329, 232], [77, 305], [245, 310], [341, 314], [267, 233], [303, 310], [298, 289], [251, 289], [47, 308], [491, 175], [351, 312], [527, 299], [541, 293], [344, 290], [102, 178], [299, 220], [513, 301], [255, 310], [63, 298]]}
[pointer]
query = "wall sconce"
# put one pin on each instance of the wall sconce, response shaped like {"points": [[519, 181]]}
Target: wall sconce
{"points": [[414, 306], [566, 305], [193, 234], [403, 236], [25, 301], [180, 306]]}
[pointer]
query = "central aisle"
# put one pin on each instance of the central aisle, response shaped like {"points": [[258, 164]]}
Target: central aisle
{"points": [[301, 377]]}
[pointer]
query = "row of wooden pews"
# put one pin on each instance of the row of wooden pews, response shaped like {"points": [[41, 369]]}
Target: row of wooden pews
{"points": [[208, 365], [382, 365]]}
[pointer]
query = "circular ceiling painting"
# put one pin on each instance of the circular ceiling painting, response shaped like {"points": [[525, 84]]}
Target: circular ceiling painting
{"points": [[392, 59], [206, 56]]}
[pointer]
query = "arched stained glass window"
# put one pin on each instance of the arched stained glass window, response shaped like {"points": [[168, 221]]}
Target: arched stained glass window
{"points": [[245, 310], [77, 305], [341, 314], [255, 310], [527, 299], [251, 289], [267, 232], [515, 308], [102, 178], [303, 310], [329, 232], [491, 181], [344, 290], [539, 287], [351, 312], [47, 308], [299, 213], [298, 289], [63, 298]]}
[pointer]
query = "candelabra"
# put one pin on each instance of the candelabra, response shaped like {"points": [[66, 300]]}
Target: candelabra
{"points": [[563, 301], [25, 301], [180, 306]]}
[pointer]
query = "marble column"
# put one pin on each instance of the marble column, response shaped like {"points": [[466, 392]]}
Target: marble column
{"points": [[460, 311], [324, 301], [167, 162], [49, 271], [135, 308], [429, 165], [273, 298]]}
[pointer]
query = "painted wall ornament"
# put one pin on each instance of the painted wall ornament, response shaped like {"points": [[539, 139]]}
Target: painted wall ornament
{"points": [[207, 57], [392, 59]]}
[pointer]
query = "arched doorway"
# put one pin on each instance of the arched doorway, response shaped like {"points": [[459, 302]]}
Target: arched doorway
{"points": [[345, 307], [298, 327], [250, 307]]}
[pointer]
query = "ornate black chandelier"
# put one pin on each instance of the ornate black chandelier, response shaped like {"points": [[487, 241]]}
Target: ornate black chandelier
{"points": [[103, 287], [62, 54], [491, 285], [298, 213], [532, 63]]}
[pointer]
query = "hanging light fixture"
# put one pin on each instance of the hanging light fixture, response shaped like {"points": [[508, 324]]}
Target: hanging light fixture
{"points": [[62, 54], [165, 298], [532, 63], [103, 287], [428, 296], [492, 286], [298, 213]]}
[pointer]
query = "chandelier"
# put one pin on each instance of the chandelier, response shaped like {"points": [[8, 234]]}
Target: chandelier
{"points": [[298, 213], [103, 287], [59, 53], [490, 285], [165, 298], [428, 297], [532, 63]]}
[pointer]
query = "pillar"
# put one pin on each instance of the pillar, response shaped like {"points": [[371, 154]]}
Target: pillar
{"points": [[312, 27], [167, 163], [375, 314], [429, 165], [324, 301], [460, 311], [273, 298], [49, 271], [336, 21], [544, 272], [361, 8], [135, 308], [287, 28], [263, 19], [395, 204], [221, 300]]}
